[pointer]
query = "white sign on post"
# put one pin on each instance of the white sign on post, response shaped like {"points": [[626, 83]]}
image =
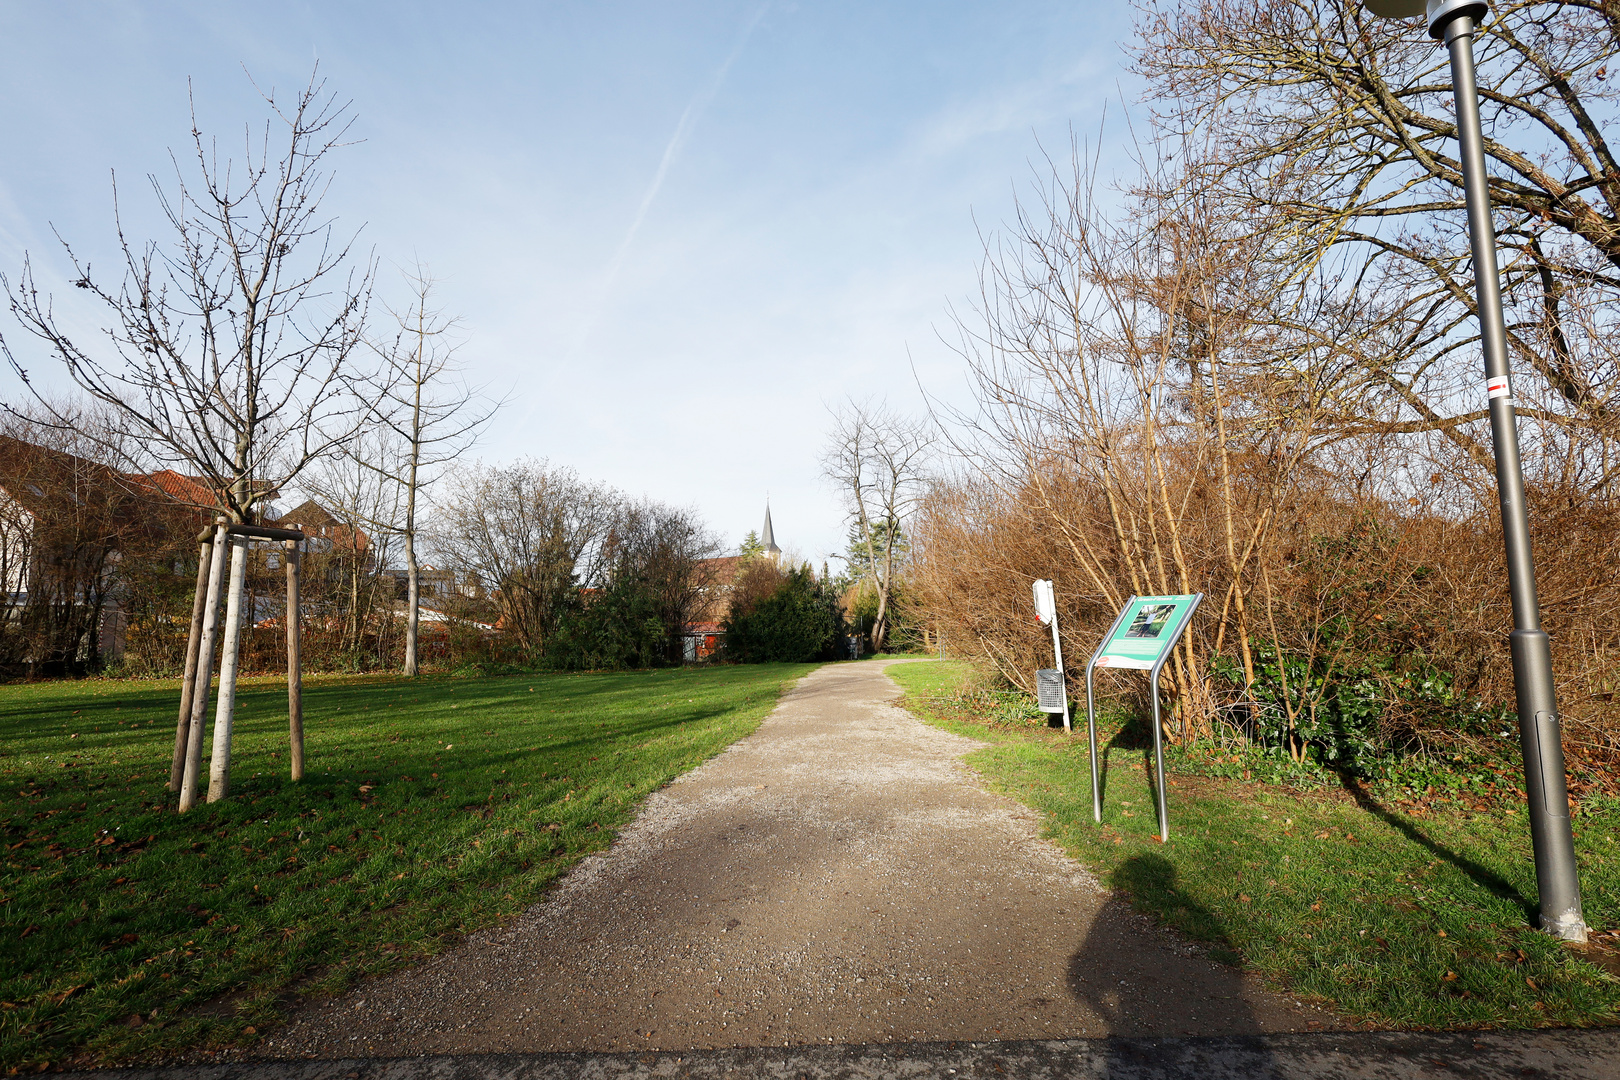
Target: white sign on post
{"points": [[1045, 606], [1046, 611]]}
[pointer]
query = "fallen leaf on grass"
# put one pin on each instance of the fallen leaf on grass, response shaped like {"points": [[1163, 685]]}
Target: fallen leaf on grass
{"points": [[1531, 983], [1450, 976]]}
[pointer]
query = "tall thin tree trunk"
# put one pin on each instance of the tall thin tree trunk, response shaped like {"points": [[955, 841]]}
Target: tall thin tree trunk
{"points": [[413, 613], [355, 622], [413, 582]]}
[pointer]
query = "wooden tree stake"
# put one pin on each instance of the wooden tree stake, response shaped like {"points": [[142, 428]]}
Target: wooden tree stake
{"points": [[219, 769], [205, 671], [295, 675], [177, 767]]}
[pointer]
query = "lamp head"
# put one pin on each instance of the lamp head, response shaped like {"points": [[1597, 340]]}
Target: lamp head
{"points": [[1437, 12]]}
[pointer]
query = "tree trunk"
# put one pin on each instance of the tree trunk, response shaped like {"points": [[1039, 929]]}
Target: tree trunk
{"points": [[413, 611], [219, 769], [205, 671], [355, 621], [182, 727]]}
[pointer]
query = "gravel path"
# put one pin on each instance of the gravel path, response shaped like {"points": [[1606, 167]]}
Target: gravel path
{"points": [[837, 877]]}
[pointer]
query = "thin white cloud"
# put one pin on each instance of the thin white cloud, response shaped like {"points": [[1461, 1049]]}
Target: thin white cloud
{"points": [[683, 130]]}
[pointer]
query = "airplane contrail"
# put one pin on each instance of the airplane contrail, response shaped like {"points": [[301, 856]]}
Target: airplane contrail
{"points": [[672, 150]]}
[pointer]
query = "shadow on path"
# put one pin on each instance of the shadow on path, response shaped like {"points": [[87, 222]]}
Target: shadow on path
{"points": [[1156, 992]]}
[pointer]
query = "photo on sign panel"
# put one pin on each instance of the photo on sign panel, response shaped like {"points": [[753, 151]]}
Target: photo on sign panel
{"points": [[1150, 621]]}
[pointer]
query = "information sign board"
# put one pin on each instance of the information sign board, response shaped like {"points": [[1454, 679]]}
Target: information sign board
{"points": [[1145, 631], [1147, 628]]}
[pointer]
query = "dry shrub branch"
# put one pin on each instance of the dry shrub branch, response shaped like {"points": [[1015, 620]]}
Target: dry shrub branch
{"points": [[1165, 405]]}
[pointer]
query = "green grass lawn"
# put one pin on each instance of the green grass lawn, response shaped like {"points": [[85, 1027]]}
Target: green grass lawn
{"points": [[430, 808], [1394, 915]]}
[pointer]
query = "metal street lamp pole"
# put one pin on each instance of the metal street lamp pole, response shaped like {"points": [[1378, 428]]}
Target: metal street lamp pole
{"points": [[1454, 22]]}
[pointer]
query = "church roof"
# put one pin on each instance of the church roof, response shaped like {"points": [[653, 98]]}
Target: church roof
{"points": [[767, 539]]}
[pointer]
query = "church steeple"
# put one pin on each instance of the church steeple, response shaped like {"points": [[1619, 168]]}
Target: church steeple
{"points": [[767, 538]]}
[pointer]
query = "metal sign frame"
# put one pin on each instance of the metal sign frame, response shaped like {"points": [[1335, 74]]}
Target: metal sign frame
{"points": [[1167, 647]]}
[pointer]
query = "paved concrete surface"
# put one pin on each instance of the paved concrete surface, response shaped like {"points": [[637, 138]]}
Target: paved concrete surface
{"points": [[837, 877], [1567, 1055]]}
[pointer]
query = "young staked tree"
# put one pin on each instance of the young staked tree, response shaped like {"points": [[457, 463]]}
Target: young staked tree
{"points": [[879, 461], [230, 348], [426, 403]]}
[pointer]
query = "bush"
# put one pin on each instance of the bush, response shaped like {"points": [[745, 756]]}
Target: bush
{"points": [[797, 623], [621, 628]]}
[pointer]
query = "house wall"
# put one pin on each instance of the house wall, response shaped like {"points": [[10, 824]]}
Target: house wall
{"points": [[16, 546]]}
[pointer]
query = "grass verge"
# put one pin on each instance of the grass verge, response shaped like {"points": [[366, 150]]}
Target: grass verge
{"points": [[431, 808], [1396, 916]]}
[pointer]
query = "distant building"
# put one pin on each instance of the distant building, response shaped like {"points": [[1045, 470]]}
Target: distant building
{"points": [[323, 532], [703, 635], [433, 584]]}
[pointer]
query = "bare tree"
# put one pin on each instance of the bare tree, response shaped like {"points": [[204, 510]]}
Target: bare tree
{"points": [[424, 400], [1342, 122], [1148, 391], [359, 487], [79, 546], [231, 348], [879, 462], [670, 553], [531, 534]]}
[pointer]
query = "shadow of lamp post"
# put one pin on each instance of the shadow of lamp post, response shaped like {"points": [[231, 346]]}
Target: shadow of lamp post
{"points": [[1455, 22]]}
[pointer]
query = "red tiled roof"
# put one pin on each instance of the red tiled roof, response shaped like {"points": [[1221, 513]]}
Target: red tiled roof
{"points": [[187, 489]]}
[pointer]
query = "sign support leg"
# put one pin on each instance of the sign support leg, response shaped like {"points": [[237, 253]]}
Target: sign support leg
{"points": [[1158, 753], [1063, 680], [1091, 733]]}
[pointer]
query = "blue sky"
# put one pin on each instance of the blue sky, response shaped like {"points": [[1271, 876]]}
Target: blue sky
{"points": [[673, 232]]}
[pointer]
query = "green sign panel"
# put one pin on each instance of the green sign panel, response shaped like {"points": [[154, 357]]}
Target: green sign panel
{"points": [[1145, 631]]}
